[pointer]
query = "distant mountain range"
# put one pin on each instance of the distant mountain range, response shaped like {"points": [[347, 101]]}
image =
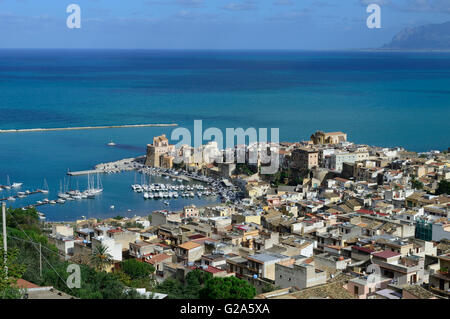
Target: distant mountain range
{"points": [[426, 37]]}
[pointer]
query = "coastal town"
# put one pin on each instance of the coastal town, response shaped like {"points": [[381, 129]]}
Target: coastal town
{"points": [[338, 220]]}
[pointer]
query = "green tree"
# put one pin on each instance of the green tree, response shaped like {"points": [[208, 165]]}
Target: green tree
{"points": [[269, 287], [10, 274], [130, 224], [194, 283], [227, 288], [443, 188], [100, 258], [190, 289], [173, 288], [416, 184], [137, 269]]}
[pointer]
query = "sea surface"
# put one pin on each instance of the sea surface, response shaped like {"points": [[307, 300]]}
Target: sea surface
{"points": [[377, 98]]}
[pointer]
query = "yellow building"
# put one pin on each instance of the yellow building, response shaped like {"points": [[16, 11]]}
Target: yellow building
{"points": [[328, 138], [157, 153]]}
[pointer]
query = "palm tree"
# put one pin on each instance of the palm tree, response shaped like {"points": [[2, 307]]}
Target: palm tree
{"points": [[101, 258]]}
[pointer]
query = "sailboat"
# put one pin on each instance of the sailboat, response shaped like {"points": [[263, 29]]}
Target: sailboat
{"points": [[62, 192], [45, 190], [92, 190], [99, 188], [111, 143], [8, 183]]}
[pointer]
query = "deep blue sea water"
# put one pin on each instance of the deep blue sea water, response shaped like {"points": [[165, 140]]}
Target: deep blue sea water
{"points": [[390, 99]]}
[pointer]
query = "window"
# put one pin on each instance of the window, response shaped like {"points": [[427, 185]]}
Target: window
{"points": [[356, 290]]}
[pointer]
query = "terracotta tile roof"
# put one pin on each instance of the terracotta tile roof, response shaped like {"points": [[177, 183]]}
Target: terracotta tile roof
{"points": [[21, 283], [363, 249], [365, 211], [386, 254], [212, 270], [157, 258]]}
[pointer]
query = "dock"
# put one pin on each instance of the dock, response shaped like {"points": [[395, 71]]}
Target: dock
{"points": [[17, 196], [91, 171], [126, 164], [182, 177], [84, 128]]}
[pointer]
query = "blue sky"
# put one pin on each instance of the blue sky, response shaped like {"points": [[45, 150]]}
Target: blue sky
{"points": [[211, 24]]}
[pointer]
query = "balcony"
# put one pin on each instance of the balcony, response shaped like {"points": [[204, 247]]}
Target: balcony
{"points": [[440, 291]]}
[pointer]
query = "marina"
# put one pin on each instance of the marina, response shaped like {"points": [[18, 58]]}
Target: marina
{"points": [[97, 194], [209, 187]]}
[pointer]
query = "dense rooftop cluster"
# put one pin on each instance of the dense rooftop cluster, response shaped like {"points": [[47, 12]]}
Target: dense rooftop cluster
{"points": [[339, 220]]}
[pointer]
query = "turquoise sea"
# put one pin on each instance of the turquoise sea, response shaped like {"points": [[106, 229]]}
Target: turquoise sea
{"points": [[378, 98]]}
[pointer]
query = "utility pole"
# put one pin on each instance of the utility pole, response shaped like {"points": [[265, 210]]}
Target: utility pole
{"points": [[40, 259], [5, 245]]}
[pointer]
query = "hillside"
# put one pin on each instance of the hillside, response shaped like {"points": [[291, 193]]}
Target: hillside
{"points": [[426, 37]]}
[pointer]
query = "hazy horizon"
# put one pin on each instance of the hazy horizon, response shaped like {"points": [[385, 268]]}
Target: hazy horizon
{"points": [[311, 25]]}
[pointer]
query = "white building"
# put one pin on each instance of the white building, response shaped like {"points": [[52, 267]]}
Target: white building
{"points": [[440, 231], [113, 248], [338, 159]]}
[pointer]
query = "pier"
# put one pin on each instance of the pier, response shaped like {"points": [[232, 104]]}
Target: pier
{"points": [[84, 128], [127, 164], [182, 177], [79, 173], [17, 196]]}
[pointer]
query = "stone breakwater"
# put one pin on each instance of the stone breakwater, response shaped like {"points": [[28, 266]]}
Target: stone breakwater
{"points": [[127, 164], [84, 128]]}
